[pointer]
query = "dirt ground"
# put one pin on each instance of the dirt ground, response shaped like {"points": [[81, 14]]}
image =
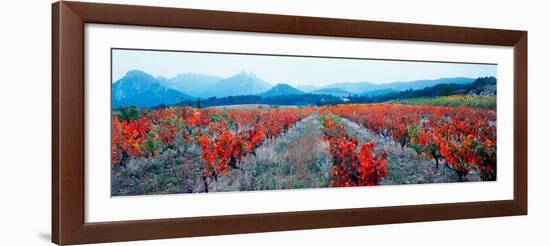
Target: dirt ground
{"points": [[404, 165], [298, 158]]}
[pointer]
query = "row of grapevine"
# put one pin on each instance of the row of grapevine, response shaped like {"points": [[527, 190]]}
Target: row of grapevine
{"points": [[155, 131], [352, 165], [232, 134], [464, 137], [224, 136]]}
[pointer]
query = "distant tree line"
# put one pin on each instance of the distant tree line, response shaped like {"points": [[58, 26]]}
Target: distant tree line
{"points": [[432, 91], [289, 100], [325, 99]]}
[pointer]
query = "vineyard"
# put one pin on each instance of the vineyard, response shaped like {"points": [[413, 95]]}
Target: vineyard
{"points": [[189, 150]]}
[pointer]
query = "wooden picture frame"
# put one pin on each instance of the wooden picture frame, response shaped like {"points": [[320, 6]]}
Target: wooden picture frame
{"points": [[68, 123]]}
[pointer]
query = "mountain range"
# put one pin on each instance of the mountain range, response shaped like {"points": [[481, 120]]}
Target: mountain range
{"points": [[241, 84], [190, 83], [143, 90], [364, 87]]}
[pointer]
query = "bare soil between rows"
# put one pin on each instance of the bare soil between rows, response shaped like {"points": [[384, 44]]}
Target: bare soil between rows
{"points": [[405, 166], [298, 158]]}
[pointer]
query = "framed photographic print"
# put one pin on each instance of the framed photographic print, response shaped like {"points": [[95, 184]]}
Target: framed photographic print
{"points": [[175, 122]]}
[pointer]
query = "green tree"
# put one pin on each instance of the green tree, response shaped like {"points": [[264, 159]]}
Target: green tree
{"points": [[129, 113]]}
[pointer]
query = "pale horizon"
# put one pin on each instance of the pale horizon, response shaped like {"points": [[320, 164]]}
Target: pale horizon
{"points": [[292, 70]]}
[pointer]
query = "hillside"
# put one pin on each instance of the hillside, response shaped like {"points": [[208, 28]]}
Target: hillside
{"points": [[379, 92], [485, 86], [306, 88], [332, 91], [282, 90], [481, 86], [190, 83], [363, 87], [241, 84], [143, 90]]}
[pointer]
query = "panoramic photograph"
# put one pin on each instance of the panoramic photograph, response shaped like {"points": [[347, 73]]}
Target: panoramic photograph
{"points": [[199, 122]]}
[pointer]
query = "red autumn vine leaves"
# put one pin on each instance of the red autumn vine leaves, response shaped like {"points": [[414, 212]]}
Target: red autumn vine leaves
{"points": [[465, 138], [237, 133], [224, 136], [352, 165], [461, 138]]}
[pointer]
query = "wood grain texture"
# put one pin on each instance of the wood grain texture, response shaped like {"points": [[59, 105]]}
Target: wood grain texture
{"points": [[68, 224], [55, 123], [68, 124], [520, 122], [219, 225], [269, 23]]}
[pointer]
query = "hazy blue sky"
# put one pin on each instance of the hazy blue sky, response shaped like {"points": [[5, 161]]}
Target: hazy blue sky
{"points": [[291, 70]]}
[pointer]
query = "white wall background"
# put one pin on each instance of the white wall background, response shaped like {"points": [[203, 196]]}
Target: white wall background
{"points": [[25, 121]]}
